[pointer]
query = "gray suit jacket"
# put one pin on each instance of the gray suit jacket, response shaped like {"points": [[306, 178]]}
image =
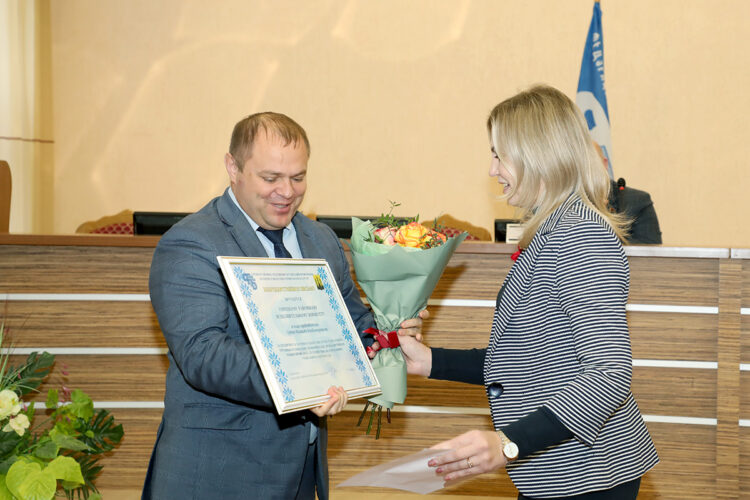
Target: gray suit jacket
{"points": [[220, 436]]}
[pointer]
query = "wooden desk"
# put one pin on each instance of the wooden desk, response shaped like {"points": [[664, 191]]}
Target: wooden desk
{"points": [[85, 298]]}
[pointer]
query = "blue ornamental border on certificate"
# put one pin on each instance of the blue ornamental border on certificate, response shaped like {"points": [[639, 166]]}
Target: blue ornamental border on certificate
{"points": [[342, 323], [247, 285]]}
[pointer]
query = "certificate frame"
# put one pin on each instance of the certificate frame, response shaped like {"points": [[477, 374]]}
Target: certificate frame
{"points": [[300, 330]]}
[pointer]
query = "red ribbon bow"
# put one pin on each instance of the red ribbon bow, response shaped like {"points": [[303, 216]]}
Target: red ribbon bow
{"points": [[516, 254], [387, 340]]}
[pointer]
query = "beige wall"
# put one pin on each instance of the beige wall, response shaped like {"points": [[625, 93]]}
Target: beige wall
{"points": [[394, 96], [26, 127]]}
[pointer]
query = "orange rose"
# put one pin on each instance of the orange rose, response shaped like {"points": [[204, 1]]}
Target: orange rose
{"points": [[432, 239], [411, 235]]}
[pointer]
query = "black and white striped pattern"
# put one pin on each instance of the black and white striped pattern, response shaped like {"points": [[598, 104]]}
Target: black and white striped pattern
{"points": [[560, 339]]}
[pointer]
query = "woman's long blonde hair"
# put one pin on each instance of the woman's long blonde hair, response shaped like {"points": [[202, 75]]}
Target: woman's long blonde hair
{"points": [[542, 134]]}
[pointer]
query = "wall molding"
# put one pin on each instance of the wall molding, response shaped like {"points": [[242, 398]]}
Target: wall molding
{"points": [[433, 410], [144, 297]]}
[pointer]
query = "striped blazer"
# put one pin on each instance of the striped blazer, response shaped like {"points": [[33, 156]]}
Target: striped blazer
{"points": [[560, 339]]}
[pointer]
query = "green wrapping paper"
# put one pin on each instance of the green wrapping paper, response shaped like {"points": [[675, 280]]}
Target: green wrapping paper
{"points": [[397, 282]]}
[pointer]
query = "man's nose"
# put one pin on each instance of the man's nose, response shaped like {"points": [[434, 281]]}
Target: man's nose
{"points": [[285, 189]]}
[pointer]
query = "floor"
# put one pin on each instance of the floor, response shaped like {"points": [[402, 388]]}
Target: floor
{"points": [[336, 494]]}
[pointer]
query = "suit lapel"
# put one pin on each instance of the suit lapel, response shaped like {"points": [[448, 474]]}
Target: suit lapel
{"points": [[518, 281], [239, 227], [515, 289], [306, 238]]}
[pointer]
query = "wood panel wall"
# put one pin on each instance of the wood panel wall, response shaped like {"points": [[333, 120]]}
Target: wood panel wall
{"points": [[86, 294], [744, 396]]}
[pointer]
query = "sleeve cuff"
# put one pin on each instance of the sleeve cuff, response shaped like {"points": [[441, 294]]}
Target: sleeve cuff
{"points": [[458, 365], [536, 431]]}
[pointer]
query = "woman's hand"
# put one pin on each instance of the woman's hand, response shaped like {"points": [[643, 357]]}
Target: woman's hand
{"points": [[338, 400], [474, 452], [413, 327], [418, 357], [409, 328]]}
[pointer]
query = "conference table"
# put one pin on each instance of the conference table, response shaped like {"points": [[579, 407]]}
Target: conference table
{"points": [[85, 299]]}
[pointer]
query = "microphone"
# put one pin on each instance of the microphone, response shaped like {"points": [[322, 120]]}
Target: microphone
{"points": [[617, 202]]}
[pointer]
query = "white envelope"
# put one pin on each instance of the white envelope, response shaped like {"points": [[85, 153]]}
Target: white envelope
{"points": [[409, 473]]}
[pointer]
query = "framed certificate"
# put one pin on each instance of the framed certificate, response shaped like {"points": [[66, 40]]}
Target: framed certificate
{"points": [[300, 330]]}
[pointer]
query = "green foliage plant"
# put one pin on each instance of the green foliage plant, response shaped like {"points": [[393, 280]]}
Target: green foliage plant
{"points": [[60, 455]]}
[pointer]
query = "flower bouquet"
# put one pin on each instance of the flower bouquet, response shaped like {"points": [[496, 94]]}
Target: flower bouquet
{"points": [[60, 453], [397, 263]]}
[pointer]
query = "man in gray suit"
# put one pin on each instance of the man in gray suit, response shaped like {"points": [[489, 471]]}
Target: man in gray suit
{"points": [[636, 205], [220, 436]]}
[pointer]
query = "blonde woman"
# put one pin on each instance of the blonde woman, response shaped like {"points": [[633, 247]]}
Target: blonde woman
{"points": [[558, 366]]}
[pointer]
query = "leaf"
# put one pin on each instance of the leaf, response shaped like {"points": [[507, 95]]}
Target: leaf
{"points": [[101, 433], [5, 493], [52, 399], [90, 470], [391, 220], [5, 464], [4, 356], [65, 424], [47, 449], [42, 486], [80, 405], [30, 375], [8, 442], [28, 481], [66, 441], [65, 469]]}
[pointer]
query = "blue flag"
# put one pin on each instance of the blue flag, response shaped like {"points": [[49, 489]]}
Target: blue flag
{"points": [[591, 97]]}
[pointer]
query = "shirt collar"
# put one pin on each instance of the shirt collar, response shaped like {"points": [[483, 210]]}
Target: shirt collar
{"points": [[254, 224]]}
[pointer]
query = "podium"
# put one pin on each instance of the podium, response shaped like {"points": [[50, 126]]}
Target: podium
{"points": [[85, 298]]}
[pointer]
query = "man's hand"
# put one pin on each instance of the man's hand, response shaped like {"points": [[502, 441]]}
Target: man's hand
{"points": [[338, 400]]}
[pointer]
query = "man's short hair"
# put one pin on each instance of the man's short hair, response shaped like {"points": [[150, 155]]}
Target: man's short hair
{"points": [[245, 131]]}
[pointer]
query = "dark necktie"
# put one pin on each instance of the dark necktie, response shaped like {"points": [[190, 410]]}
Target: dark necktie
{"points": [[276, 236]]}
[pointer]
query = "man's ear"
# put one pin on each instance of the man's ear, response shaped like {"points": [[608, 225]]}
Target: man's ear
{"points": [[232, 169]]}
